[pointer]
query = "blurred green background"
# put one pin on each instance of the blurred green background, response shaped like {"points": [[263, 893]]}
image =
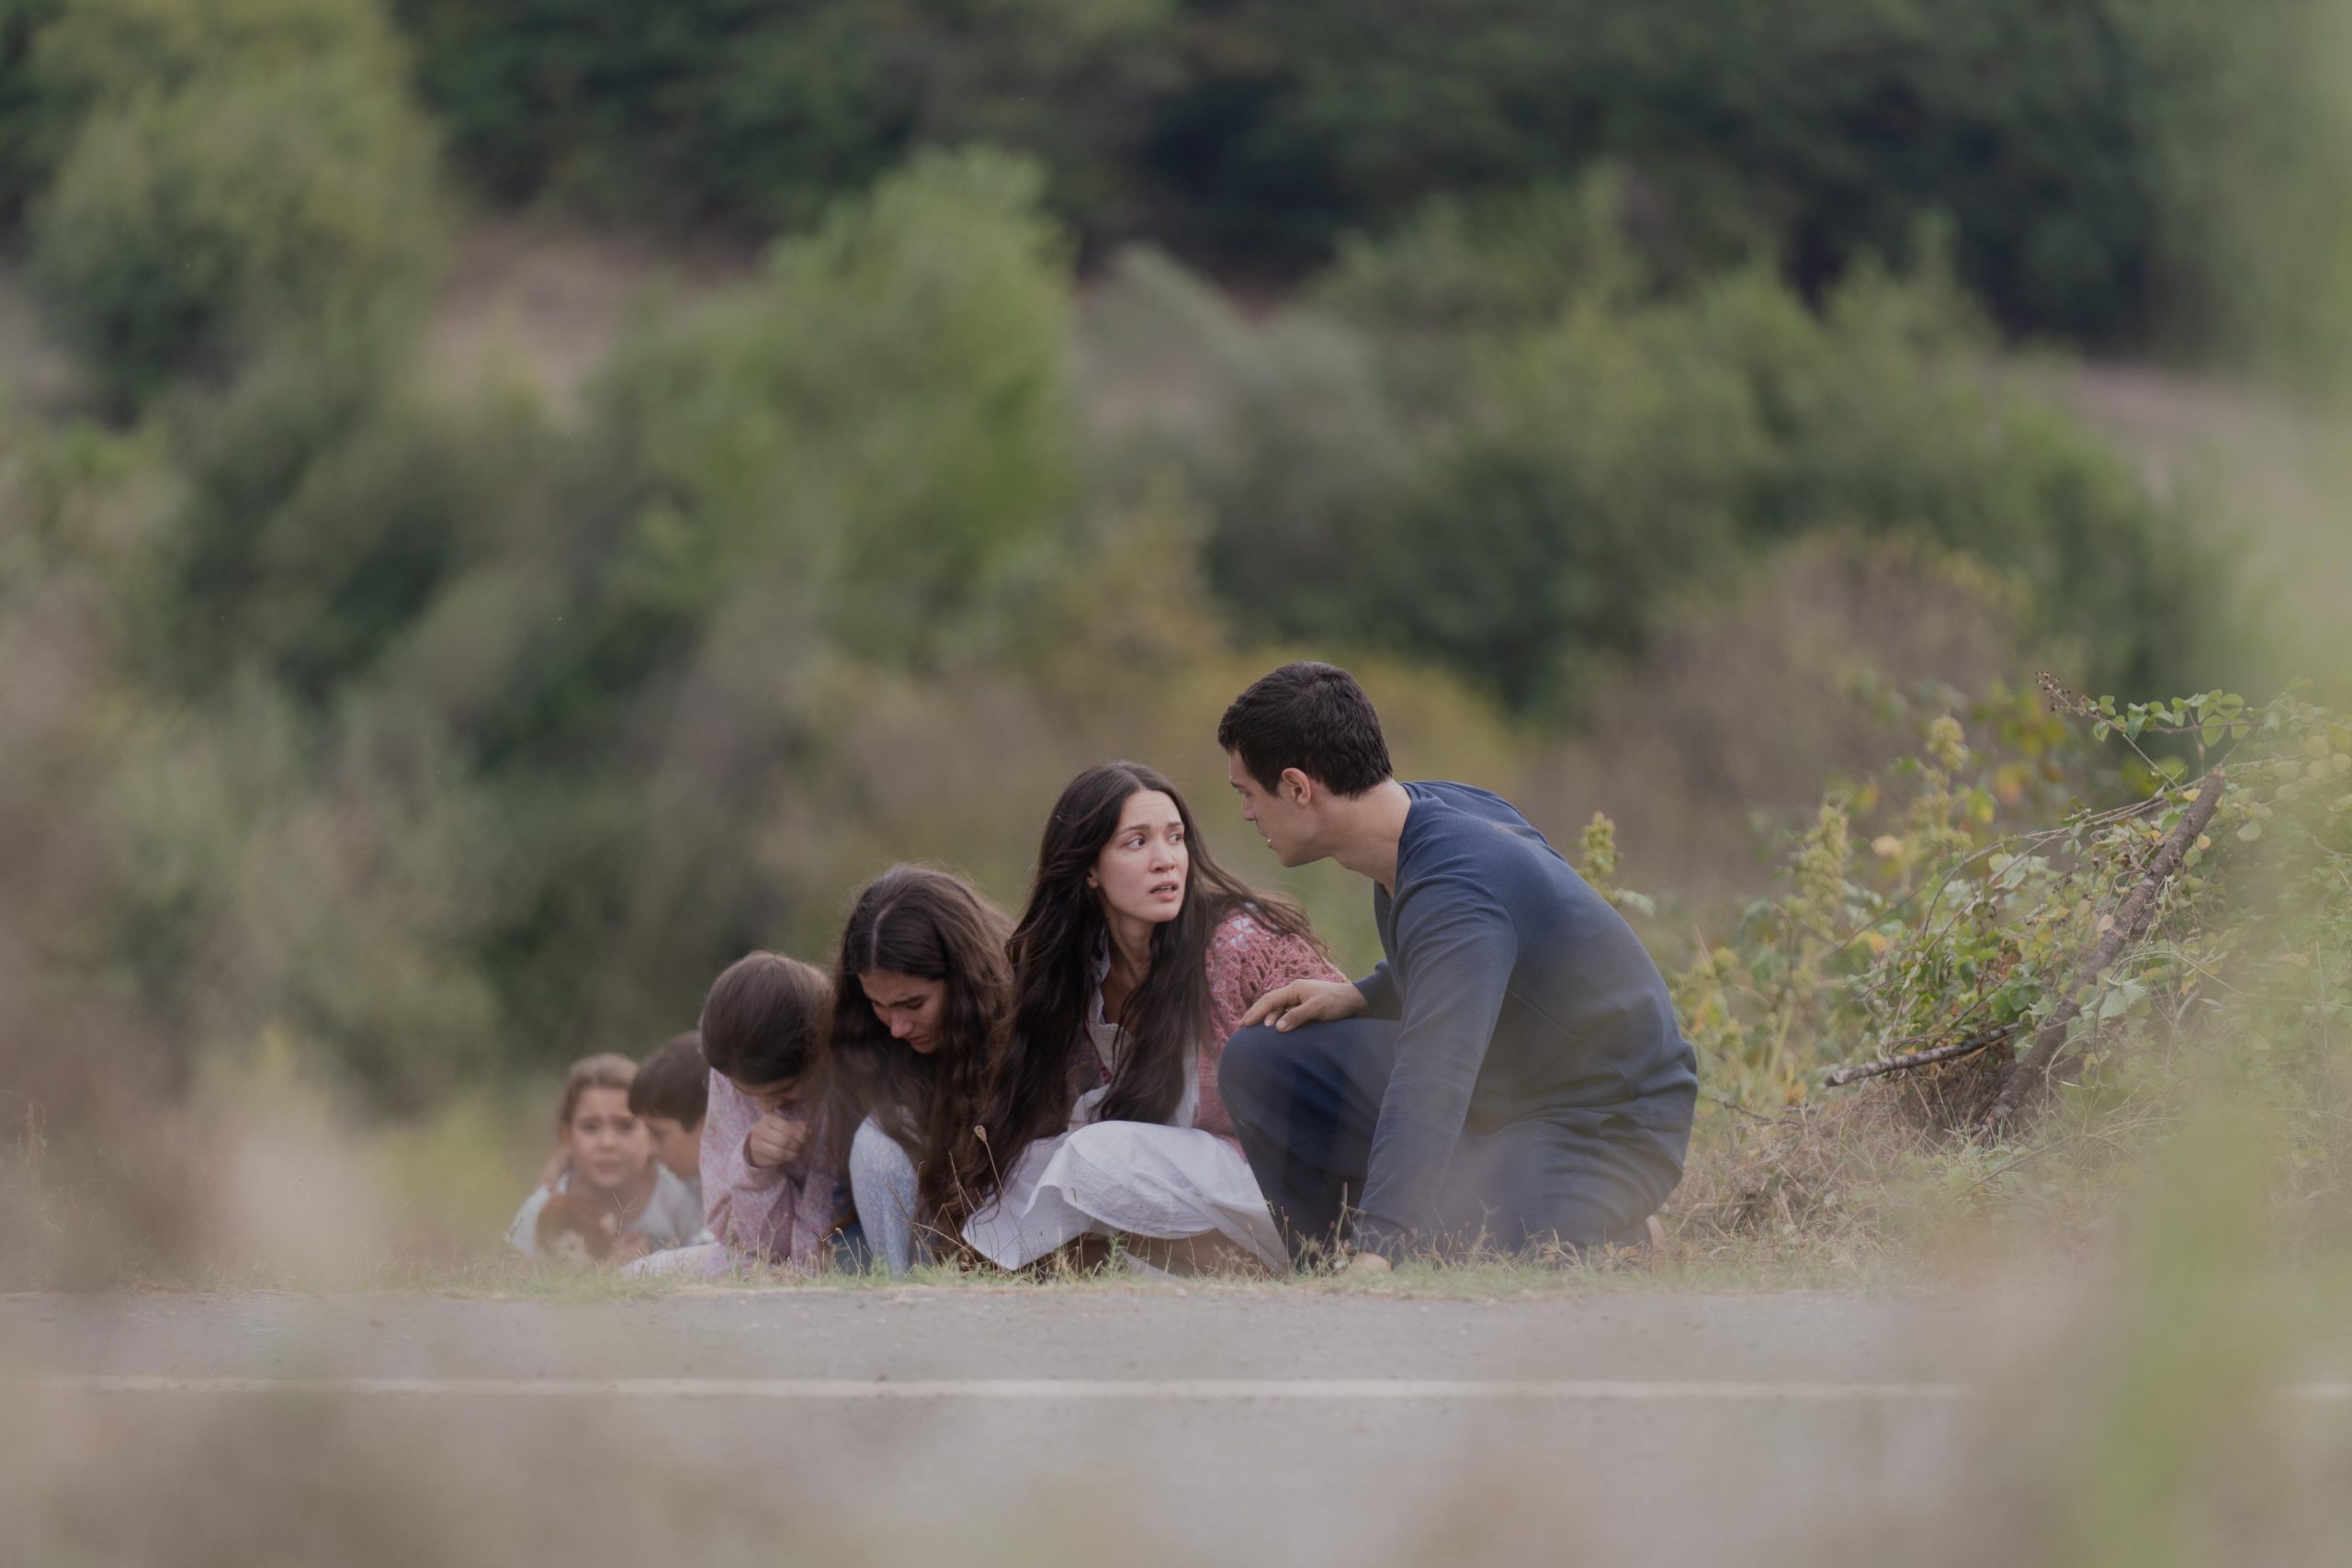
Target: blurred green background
{"points": [[505, 504]]}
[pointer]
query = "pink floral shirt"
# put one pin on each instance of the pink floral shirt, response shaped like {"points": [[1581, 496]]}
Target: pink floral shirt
{"points": [[1246, 960], [779, 1215]]}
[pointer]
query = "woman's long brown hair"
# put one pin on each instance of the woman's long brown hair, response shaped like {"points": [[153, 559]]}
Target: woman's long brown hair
{"points": [[934, 925], [1037, 1080]]}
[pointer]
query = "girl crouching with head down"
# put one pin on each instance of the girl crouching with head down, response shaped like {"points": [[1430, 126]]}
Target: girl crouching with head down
{"points": [[919, 1003], [1133, 963], [607, 1198], [770, 1154]]}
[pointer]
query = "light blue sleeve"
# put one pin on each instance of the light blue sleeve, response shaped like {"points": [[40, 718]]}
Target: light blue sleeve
{"points": [[523, 1234]]}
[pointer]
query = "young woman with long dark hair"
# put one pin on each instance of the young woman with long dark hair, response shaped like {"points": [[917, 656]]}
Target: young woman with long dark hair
{"points": [[920, 996], [1136, 958]]}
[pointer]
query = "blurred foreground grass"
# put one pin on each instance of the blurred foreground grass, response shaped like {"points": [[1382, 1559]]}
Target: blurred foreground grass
{"points": [[277, 1188]]}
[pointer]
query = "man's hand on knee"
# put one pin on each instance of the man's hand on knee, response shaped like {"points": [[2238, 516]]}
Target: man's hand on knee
{"points": [[1306, 1001]]}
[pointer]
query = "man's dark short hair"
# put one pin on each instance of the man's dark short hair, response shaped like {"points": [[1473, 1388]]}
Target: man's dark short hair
{"points": [[674, 1082], [1310, 717]]}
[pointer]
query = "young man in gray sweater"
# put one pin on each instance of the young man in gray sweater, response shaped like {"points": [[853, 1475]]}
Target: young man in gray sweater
{"points": [[1511, 1076]]}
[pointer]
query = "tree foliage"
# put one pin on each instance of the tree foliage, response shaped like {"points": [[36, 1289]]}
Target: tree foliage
{"points": [[1497, 440], [221, 171], [1816, 133]]}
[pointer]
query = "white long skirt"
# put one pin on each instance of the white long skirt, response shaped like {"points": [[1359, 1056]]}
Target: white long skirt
{"points": [[1138, 1177]]}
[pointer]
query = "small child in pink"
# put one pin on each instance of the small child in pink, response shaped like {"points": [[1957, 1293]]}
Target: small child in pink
{"points": [[771, 1173]]}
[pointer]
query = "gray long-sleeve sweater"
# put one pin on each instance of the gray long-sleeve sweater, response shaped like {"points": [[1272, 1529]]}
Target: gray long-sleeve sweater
{"points": [[1523, 995]]}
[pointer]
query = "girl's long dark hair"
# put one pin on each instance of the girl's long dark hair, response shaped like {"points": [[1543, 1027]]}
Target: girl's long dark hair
{"points": [[1038, 1075], [934, 925]]}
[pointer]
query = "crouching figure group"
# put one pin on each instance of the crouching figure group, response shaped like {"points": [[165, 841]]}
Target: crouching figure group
{"points": [[1158, 1062]]}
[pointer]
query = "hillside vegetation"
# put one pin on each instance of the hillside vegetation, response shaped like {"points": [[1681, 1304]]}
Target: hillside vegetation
{"points": [[1614, 388]]}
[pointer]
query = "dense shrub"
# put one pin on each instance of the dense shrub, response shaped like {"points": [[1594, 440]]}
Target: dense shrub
{"points": [[24, 154], [1467, 265], [197, 871], [1603, 461], [746, 115], [62, 59], [785, 511], [2254, 133], [267, 874], [1814, 132], [1283, 429], [101, 51], [884, 422], [327, 501], [731, 111], [1819, 131], [184, 227], [1550, 441], [212, 172]]}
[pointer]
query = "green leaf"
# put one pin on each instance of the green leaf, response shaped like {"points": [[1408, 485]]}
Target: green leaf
{"points": [[2250, 832]]}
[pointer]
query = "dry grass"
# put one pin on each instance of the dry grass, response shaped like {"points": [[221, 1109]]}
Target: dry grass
{"points": [[284, 1196]]}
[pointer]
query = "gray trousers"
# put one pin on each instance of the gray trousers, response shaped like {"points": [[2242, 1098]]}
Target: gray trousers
{"points": [[882, 1186]]}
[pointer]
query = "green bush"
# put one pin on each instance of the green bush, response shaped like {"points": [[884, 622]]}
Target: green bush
{"points": [[26, 149], [840, 482], [188, 225], [1603, 462], [1818, 131], [884, 422], [1815, 131], [60, 59], [729, 111], [1886, 411], [1285, 429], [264, 871], [1508, 462], [1489, 263], [99, 52], [327, 502]]}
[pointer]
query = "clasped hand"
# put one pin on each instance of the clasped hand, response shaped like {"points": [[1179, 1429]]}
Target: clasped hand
{"points": [[774, 1140]]}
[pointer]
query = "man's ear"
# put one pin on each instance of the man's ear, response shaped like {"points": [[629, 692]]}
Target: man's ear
{"points": [[1297, 788]]}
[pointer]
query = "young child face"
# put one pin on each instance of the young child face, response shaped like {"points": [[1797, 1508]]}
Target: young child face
{"points": [[676, 1145], [610, 1149]]}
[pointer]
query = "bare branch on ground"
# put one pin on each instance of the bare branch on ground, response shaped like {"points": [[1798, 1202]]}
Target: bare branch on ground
{"points": [[1838, 1077], [2131, 924]]}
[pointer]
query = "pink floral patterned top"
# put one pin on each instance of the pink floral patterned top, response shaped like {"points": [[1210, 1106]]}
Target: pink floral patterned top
{"points": [[1246, 960], [779, 1215]]}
